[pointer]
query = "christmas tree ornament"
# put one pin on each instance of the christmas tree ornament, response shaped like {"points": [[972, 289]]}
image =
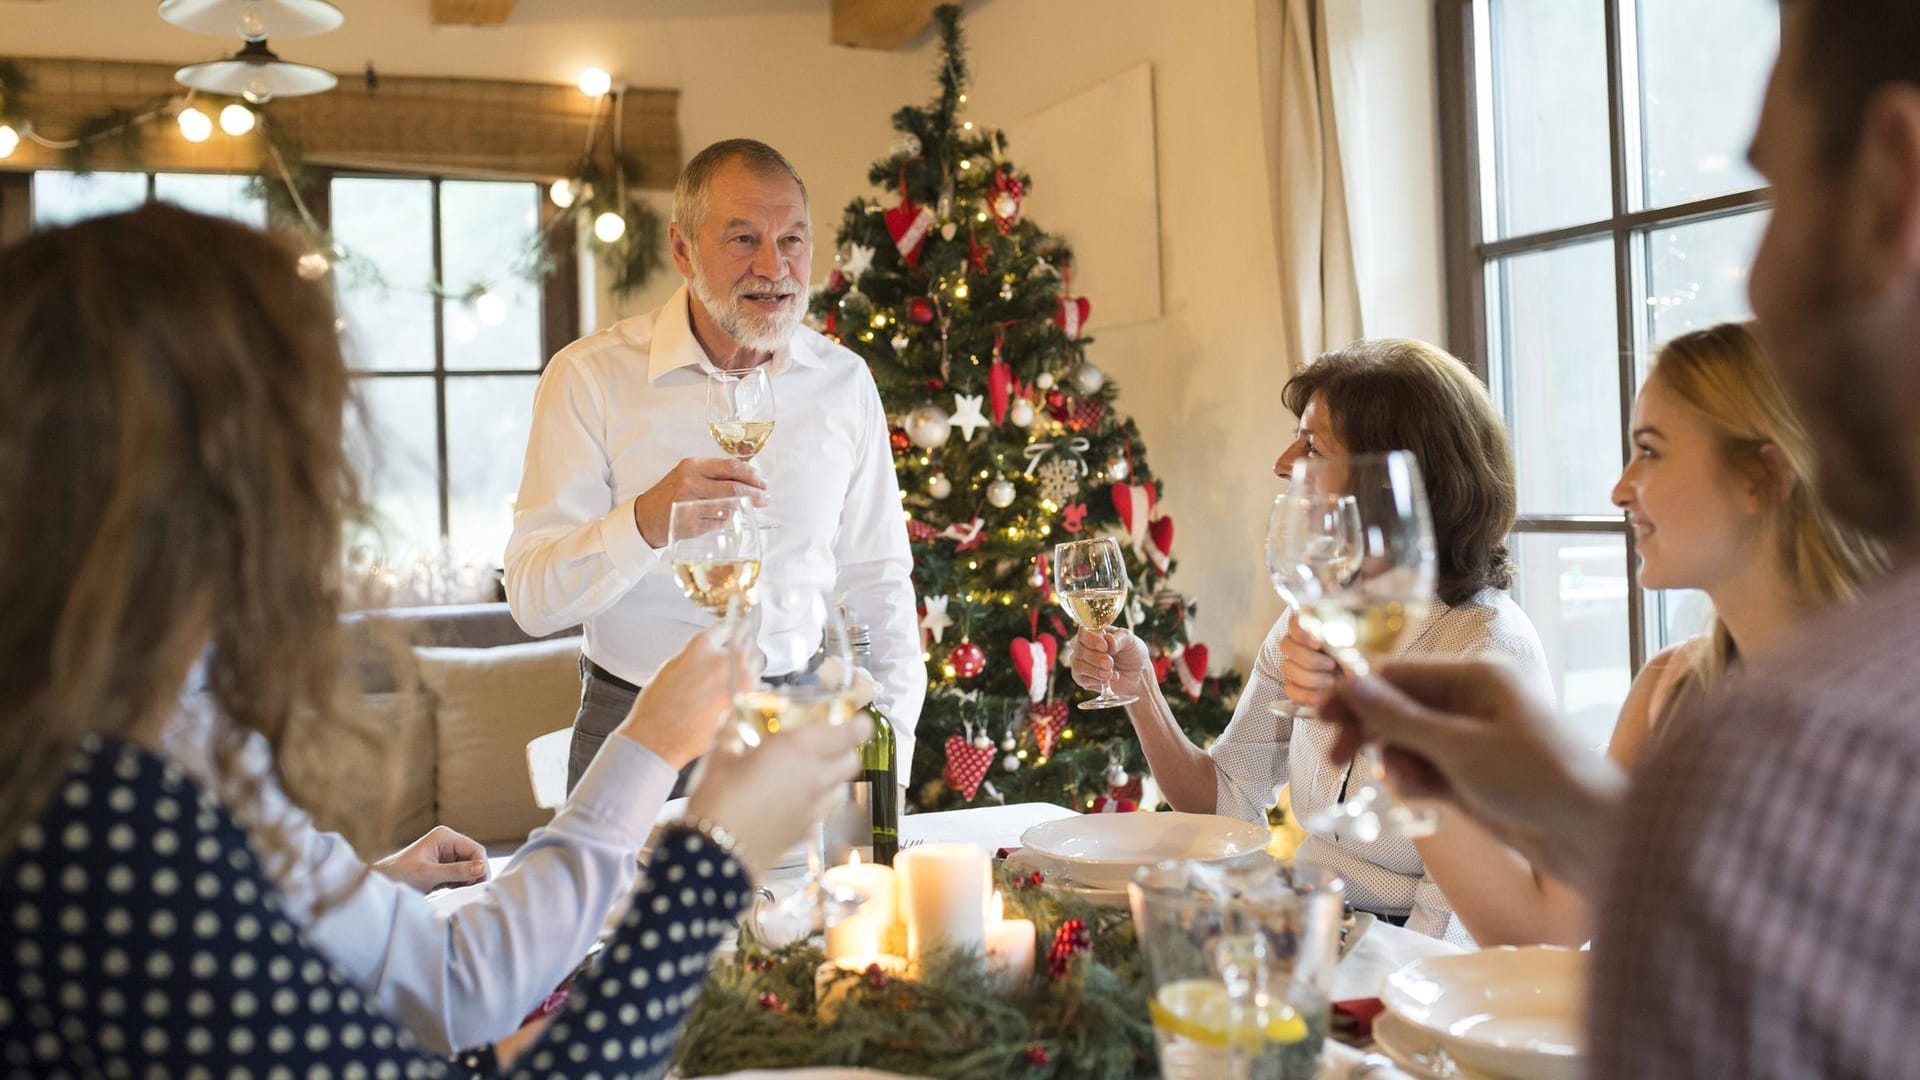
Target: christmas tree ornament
{"points": [[968, 418], [1044, 380], [1037, 578], [1038, 1056], [1118, 468], [1006, 292], [1116, 772], [1087, 378], [939, 486], [949, 231], [859, 260], [933, 617], [1003, 198], [1010, 763], [1085, 416], [908, 225], [1069, 941], [1134, 504], [968, 659], [929, 426], [1033, 662], [1000, 493], [835, 279], [1160, 543], [1008, 742], [1190, 665], [1071, 315], [899, 343], [1022, 413], [982, 741], [897, 439], [1073, 518], [1060, 479], [907, 145], [1042, 268], [999, 384], [966, 766], [1046, 722]]}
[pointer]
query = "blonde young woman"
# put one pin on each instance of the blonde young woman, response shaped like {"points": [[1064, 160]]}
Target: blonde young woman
{"points": [[1719, 496]]}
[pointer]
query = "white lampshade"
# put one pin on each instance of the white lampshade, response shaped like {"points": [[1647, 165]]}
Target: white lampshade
{"points": [[254, 20], [256, 74]]}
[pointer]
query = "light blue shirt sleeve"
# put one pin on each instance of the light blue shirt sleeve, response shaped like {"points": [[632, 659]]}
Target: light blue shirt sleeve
{"points": [[466, 976]]}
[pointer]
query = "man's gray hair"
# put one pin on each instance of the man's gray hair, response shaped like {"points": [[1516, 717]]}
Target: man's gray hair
{"points": [[690, 192]]}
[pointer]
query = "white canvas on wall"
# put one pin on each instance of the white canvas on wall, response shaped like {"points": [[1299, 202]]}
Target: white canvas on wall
{"points": [[1096, 184]]}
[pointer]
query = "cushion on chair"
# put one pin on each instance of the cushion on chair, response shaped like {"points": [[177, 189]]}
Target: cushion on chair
{"points": [[488, 704], [369, 774]]}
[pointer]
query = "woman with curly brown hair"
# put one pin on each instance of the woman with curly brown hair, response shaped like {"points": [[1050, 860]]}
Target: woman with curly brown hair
{"points": [[171, 398], [1373, 396]]}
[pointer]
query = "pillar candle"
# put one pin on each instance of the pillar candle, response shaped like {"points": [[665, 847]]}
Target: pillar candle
{"points": [[1010, 943], [864, 931], [943, 888]]}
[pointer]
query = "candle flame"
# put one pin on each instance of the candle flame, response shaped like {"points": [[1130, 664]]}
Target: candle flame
{"points": [[853, 858], [996, 908]]}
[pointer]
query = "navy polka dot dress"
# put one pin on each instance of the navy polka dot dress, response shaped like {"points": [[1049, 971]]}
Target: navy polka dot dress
{"points": [[139, 937]]}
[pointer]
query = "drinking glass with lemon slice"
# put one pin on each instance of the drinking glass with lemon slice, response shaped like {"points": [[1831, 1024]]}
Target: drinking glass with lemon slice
{"points": [[1241, 967]]}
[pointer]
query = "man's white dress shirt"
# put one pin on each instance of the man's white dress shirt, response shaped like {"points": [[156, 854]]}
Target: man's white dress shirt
{"points": [[617, 410], [457, 977]]}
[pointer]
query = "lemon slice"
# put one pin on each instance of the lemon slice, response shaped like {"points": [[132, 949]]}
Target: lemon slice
{"points": [[1198, 1009]]}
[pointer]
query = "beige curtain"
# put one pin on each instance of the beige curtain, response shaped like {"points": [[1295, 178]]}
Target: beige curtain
{"points": [[1319, 288]]}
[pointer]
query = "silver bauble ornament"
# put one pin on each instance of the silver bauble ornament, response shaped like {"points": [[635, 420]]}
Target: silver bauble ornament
{"points": [[1088, 379], [1118, 468], [1117, 775], [1010, 763], [928, 426], [1044, 380], [939, 486], [1022, 413], [982, 742], [1036, 579], [1008, 744], [1005, 206], [1000, 493]]}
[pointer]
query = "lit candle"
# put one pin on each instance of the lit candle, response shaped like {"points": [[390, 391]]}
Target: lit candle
{"points": [[1010, 943], [834, 979], [864, 931], [944, 890]]}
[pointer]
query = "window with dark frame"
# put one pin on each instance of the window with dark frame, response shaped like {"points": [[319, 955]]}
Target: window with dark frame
{"points": [[1598, 202], [446, 326]]}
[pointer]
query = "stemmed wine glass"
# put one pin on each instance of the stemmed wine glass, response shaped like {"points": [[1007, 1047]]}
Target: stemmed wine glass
{"points": [[740, 413], [808, 686], [1308, 535], [1361, 571], [1090, 577], [714, 546]]}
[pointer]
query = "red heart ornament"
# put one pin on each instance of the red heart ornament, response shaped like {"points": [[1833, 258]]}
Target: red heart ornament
{"points": [[1033, 661], [1072, 316], [1193, 670], [1160, 543], [908, 225], [1047, 722], [966, 765], [1113, 804], [1162, 664], [1134, 504]]}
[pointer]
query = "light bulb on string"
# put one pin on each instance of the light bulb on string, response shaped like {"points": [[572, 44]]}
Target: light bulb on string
{"points": [[195, 126], [595, 82], [561, 193], [236, 120], [609, 227], [9, 141]]}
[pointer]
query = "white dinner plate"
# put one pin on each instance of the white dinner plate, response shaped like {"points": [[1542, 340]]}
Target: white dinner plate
{"points": [[1513, 1014], [1416, 1053], [1101, 851]]}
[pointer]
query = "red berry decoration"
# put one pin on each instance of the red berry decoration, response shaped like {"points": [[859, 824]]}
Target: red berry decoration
{"points": [[772, 1003], [1038, 1055], [920, 311], [899, 441], [1030, 880], [1072, 938], [877, 977], [968, 660]]}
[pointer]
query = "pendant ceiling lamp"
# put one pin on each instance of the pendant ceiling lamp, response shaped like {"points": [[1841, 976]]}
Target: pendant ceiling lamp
{"points": [[256, 74], [253, 20]]}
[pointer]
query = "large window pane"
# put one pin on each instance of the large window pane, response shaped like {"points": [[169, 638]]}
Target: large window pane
{"points": [[487, 418], [1574, 588], [1550, 144], [1557, 372], [1696, 275], [390, 441], [235, 197], [62, 198], [386, 228], [488, 231], [1699, 101]]}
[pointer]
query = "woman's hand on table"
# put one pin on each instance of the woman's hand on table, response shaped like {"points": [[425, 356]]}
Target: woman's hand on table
{"points": [[768, 797], [438, 860]]}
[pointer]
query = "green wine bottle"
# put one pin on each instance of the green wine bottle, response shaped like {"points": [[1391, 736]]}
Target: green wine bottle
{"points": [[879, 779]]}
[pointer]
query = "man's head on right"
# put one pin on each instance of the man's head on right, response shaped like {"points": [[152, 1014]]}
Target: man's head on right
{"points": [[742, 239], [1836, 282]]}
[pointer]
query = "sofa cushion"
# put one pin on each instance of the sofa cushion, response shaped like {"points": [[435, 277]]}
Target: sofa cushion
{"points": [[369, 774], [487, 705]]}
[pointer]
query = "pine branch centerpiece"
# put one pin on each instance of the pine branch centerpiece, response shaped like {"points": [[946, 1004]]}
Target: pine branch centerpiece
{"points": [[1006, 439]]}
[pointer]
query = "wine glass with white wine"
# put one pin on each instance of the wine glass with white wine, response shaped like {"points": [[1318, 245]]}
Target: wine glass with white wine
{"points": [[714, 546], [1364, 594], [740, 414], [1090, 577], [1309, 535], [809, 682]]}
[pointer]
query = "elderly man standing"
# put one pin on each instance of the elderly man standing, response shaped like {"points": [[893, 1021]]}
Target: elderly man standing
{"points": [[619, 435]]}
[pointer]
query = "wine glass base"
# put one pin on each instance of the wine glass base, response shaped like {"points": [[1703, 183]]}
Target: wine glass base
{"points": [[1108, 701], [1363, 820]]}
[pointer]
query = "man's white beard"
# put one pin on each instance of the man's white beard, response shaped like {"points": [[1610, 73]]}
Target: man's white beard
{"points": [[762, 333]]}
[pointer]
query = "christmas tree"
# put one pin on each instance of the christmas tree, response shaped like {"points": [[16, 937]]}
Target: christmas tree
{"points": [[1007, 441]]}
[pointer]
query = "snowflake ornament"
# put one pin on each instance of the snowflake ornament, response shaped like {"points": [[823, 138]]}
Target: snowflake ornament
{"points": [[1059, 480]]}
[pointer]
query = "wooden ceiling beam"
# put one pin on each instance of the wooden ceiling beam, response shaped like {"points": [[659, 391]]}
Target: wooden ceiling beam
{"points": [[880, 24], [471, 12]]}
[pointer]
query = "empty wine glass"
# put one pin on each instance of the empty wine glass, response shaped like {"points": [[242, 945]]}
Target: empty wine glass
{"points": [[1363, 584], [714, 546], [809, 682], [740, 414], [1307, 534], [1090, 577]]}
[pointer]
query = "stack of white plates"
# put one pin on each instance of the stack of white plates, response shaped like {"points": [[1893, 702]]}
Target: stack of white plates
{"points": [[1097, 854], [1502, 1014]]}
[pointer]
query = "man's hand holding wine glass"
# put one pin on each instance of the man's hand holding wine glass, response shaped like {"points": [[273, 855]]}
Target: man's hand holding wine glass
{"points": [[694, 479]]}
